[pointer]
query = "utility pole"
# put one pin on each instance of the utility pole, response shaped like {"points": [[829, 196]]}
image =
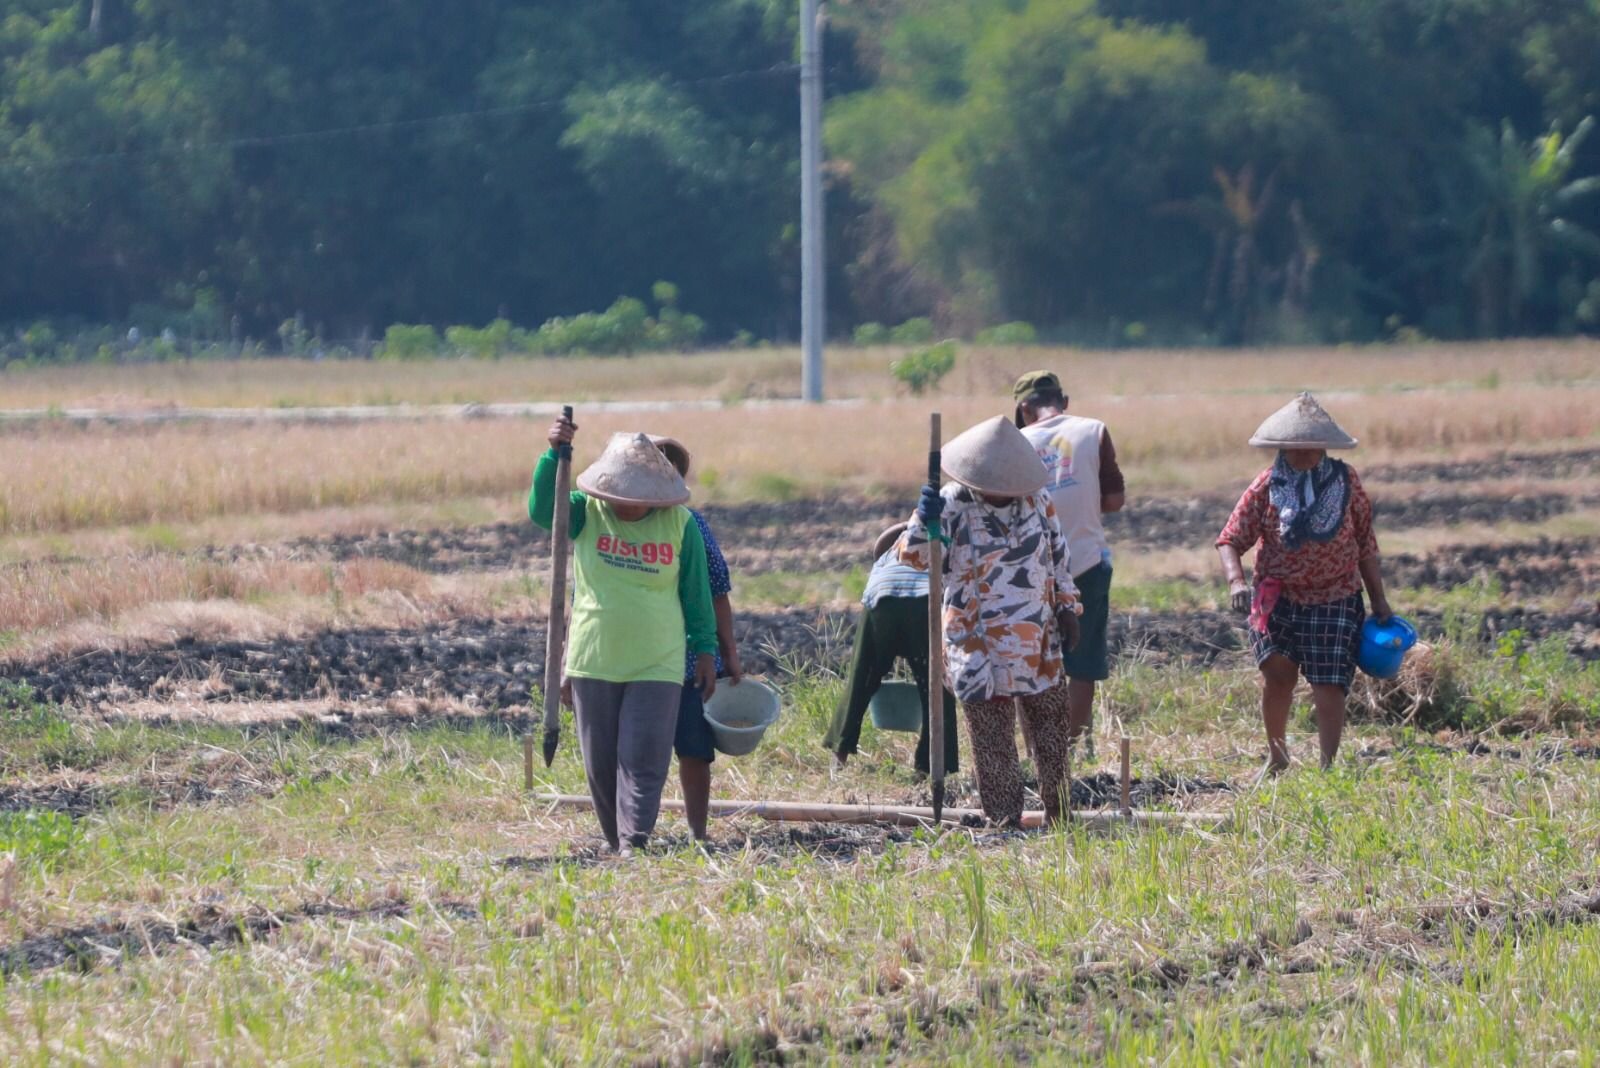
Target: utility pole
{"points": [[812, 276]]}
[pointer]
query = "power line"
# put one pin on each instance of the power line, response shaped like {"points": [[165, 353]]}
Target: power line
{"points": [[336, 132]]}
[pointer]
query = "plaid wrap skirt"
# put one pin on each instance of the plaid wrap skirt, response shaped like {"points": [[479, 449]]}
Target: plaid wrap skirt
{"points": [[1322, 638]]}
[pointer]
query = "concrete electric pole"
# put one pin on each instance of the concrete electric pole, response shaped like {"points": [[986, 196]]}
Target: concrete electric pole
{"points": [[812, 275]]}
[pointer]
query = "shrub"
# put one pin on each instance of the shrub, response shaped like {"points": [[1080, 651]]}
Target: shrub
{"points": [[922, 370], [1013, 333], [404, 341], [918, 331], [489, 343], [871, 334]]}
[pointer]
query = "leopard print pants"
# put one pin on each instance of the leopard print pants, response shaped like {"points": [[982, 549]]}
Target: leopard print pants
{"points": [[993, 726]]}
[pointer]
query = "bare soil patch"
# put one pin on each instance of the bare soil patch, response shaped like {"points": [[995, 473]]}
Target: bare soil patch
{"points": [[489, 664], [1524, 568]]}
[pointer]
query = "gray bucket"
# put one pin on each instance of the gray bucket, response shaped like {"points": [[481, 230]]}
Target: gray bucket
{"points": [[740, 715]]}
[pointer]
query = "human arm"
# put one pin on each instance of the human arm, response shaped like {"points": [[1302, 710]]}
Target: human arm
{"points": [[1239, 535], [542, 495], [1113, 489], [912, 548], [1065, 600], [699, 618], [723, 608], [1370, 564], [721, 582], [1233, 571]]}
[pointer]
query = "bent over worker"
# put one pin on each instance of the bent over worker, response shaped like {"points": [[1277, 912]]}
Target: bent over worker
{"points": [[893, 626], [641, 598], [1010, 607]]}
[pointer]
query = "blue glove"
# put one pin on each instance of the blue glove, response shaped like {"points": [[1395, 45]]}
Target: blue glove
{"points": [[930, 507]]}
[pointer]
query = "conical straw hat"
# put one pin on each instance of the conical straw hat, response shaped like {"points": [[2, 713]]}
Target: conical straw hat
{"points": [[675, 450], [633, 471], [993, 457], [1301, 424]]}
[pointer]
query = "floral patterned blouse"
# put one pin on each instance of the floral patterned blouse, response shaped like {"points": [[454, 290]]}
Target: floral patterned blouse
{"points": [[1005, 571], [1317, 572]]}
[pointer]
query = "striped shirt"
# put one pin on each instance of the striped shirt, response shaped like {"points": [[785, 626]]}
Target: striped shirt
{"points": [[891, 578]]}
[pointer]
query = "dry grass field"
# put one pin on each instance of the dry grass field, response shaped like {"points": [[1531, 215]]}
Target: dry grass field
{"points": [[261, 685]]}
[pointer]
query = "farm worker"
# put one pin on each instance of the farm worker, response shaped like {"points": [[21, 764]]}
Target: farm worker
{"points": [[641, 598], [1313, 522], [692, 740], [1010, 607], [1085, 483], [894, 625]]}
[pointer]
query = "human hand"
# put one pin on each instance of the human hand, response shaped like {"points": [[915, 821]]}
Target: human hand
{"points": [[930, 506], [561, 432], [1381, 610], [705, 675], [1239, 596], [566, 692], [1068, 626]]}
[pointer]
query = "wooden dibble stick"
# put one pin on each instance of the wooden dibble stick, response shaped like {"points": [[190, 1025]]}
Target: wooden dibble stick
{"points": [[1127, 775], [910, 815], [556, 628]]}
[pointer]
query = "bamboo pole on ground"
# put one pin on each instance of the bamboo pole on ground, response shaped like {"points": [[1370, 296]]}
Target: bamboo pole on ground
{"points": [[909, 815]]}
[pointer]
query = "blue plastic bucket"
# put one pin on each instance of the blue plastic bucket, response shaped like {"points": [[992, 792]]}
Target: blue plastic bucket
{"points": [[897, 706], [1384, 645]]}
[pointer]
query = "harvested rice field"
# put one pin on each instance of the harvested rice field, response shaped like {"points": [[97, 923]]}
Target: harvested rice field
{"points": [[262, 690]]}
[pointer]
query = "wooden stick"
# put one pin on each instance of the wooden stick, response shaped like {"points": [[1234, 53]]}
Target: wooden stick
{"points": [[935, 632], [556, 632], [1127, 776], [906, 815]]}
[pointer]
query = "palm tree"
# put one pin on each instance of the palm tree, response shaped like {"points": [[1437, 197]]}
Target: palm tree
{"points": [[1518, 230]]}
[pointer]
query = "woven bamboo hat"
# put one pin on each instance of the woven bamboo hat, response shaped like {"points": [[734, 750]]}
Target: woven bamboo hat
{"points": [[632, 470], [677, 452], [993, 457], [1301, 424]]}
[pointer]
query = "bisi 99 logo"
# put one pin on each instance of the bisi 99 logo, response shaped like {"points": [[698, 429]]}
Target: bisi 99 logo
{"points": [[650, 552]]}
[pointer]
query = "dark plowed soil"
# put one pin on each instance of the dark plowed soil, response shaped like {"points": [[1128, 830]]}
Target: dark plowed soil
{"points": [[83, 948], [1162, 523], [793, 536], [493, 663], [1529, 568], [1574, 463], [837, 534]]}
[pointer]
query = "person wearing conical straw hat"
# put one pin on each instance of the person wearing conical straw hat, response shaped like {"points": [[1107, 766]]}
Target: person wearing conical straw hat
{"points": [[692, 740], [1010, 607], [641, 600], [1313, 522]]}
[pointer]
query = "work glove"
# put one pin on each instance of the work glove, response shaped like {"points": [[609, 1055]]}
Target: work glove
{"points": [[1068, 627], [930, 507]]}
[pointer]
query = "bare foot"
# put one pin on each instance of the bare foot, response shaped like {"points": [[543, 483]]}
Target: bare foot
{"points": [[1271, 770]]}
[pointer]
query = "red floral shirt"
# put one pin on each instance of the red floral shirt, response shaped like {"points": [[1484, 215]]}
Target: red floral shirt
{"points": [[1317, 572]]}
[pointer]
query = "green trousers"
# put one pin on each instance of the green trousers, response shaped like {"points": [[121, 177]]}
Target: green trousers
{"points": [[896, 627]]}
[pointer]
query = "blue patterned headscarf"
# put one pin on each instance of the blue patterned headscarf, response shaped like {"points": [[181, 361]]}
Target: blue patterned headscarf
{"points": [[1310, 504]]}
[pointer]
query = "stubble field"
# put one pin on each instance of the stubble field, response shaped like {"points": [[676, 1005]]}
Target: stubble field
{"points": [[260, 786]]}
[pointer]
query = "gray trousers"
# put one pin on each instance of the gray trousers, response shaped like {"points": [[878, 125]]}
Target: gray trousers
{"points": [[626, 729]]}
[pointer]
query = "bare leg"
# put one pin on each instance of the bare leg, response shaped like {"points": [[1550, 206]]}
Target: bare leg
{"points": [[1080, 708], [694, 775], [1329, 704], [1279, 674]]}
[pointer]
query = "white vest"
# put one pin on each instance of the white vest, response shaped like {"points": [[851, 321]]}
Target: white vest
{"points": [[1069, 447]]}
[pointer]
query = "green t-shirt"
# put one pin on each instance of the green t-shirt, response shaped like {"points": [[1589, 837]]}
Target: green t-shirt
{"points": [[640, 588]]}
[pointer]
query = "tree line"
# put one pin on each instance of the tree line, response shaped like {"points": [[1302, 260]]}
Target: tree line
{"points": [[1110, 171]]}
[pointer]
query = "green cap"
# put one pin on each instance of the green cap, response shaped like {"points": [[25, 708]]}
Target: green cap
{"points": [[1035, 382]]}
